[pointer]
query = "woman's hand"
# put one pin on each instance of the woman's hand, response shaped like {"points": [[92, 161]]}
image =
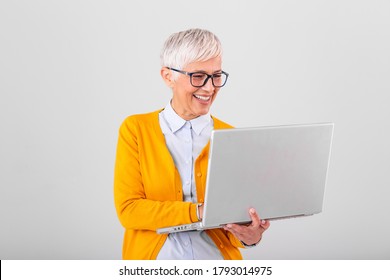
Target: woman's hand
{"points": [[249, 234]]}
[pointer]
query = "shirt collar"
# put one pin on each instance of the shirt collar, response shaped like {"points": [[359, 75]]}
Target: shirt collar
{"points": [[175, 122]]}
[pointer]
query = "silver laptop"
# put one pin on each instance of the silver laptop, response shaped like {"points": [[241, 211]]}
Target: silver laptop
{"points": [[280, 171]]}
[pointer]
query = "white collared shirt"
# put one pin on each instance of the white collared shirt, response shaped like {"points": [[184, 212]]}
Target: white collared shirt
{"points": [[185, 140]]}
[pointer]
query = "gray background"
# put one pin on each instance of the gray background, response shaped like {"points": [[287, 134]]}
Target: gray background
{"points": [[71, 71]]}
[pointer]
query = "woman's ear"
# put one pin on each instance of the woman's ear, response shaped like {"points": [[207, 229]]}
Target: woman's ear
{"points": [[167, 76]]}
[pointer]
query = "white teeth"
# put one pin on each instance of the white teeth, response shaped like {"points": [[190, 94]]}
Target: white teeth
{"points": [[205, 98]]}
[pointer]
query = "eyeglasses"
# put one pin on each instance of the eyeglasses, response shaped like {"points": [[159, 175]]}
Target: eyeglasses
{"points": [[199, 79]]}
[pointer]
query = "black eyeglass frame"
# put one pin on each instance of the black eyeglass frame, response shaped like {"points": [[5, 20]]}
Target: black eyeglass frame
{"points": [[190, 74]]}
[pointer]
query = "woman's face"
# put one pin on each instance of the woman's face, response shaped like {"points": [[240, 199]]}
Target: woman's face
{"points": [[190, 102]]}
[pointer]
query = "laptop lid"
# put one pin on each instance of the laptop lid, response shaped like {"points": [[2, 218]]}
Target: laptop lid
{"points": [[281, 171]]}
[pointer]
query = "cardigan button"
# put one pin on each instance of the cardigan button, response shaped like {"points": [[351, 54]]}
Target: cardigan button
{"points": [[199, 174]]}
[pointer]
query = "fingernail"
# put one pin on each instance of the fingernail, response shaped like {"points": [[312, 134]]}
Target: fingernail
{"points": [[263, 222], [253, 211]]}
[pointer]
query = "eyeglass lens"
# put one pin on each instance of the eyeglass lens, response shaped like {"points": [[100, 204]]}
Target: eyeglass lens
{"points": [[200, 79]]}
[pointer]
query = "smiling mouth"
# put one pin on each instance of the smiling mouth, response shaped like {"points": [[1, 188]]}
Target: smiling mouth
{"points": [[203, 98]]}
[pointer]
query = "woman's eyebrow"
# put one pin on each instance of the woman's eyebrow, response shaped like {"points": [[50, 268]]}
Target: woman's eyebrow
{"points": [[203, 71]]}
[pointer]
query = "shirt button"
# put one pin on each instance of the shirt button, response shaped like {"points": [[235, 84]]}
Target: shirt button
{"points": [[187, 182]]}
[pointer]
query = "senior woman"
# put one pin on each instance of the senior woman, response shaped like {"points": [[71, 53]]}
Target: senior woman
{"points": [[159, 153]]}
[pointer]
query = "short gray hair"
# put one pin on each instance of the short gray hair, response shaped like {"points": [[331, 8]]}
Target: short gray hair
{"points": [[189, 46]]}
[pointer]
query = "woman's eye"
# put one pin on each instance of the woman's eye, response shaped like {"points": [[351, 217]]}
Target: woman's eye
{"points": [[199, 76]]}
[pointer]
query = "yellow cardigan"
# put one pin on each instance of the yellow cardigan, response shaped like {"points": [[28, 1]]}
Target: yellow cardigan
{"points": [[148, 190]]}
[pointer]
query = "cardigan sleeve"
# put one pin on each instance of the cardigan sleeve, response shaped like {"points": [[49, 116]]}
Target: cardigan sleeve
{"points": [[134, 208]]}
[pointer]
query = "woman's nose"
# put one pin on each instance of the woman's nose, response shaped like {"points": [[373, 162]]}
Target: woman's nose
{"points": [[209, 85]]}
